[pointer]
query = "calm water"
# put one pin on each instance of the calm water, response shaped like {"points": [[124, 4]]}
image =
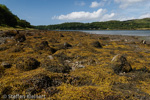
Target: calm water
{"points": [[120, 32]]}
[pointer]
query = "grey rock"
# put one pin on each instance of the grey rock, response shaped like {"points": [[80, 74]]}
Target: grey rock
{"points": [[6, 65], [50, 57], [120, 64]]}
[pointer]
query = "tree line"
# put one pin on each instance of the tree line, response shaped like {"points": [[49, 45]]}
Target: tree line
{"points": [[7, 18], [112, 25]]}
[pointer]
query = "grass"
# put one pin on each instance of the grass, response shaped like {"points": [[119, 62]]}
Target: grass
{"points": [[12, 28]]}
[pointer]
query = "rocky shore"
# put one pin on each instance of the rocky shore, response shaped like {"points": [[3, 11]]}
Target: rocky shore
{"points": [[74, 65]]}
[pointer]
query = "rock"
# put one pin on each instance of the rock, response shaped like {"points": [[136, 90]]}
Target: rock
{"points": [[61, 35], [120, 64], [2, 48], [143, 42], [96, 44], [56, 67], [51, 91], [44, 46], [20, 38], [31, 91], [2, 70], [26, 63], [2, 40], [16, 49], [6, 90], [77, 65], [41, 81], [50, 57], [81, 66], [10, 33], [66, 45], [6, 65]]}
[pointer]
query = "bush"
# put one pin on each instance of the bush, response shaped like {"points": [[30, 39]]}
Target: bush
{"points": [[26, 63]]}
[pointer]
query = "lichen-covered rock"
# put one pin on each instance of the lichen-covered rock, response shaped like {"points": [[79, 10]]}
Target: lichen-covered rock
{"points": [[41, 81], [31, 91], [56, 67], [67, 45], [96, 44], [6, 64], [10, 33], [6, 90], [16, 49], [120, 64], [20, 38], [2, 69], [44, 46], [51, 91], [3, 48], [26, 63]]}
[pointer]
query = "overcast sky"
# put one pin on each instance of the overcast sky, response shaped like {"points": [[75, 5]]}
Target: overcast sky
{"points": [[46, 12]]}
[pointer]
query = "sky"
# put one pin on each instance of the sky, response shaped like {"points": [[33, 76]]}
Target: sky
{"points": [[48, 12]]}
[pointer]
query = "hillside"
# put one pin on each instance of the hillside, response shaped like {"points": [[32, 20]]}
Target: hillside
{"points": [[7, 18], [111, 25]]}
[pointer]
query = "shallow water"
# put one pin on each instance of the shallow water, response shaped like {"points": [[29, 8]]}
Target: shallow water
{"points": [[119, 32]]}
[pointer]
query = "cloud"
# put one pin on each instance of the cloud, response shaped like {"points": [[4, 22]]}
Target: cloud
{"points": [[126, 3], [95, 4], [147, 15], [98, 4], [99, 15], [81, 3], [125, 18]]}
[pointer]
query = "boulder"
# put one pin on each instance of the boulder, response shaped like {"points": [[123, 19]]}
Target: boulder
{"points": [[51, 91], [41, 81], [120, 64], [6, 90], [67, 45], [6, 65], [50, 57], [44, 46], [2, 70], [56, 66], [26, 63], [31, 91], [20, 38], [10, 33], [96, 44]]}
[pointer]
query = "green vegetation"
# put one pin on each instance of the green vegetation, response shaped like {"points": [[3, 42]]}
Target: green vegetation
{"points": [[109, 25], [7, 18]]}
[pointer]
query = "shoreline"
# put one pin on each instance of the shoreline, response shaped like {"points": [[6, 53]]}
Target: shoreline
{"points": [[59, 63]]}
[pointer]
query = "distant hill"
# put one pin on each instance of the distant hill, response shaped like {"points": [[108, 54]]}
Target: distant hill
{"points": [[109, 25], [7, 18]]}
